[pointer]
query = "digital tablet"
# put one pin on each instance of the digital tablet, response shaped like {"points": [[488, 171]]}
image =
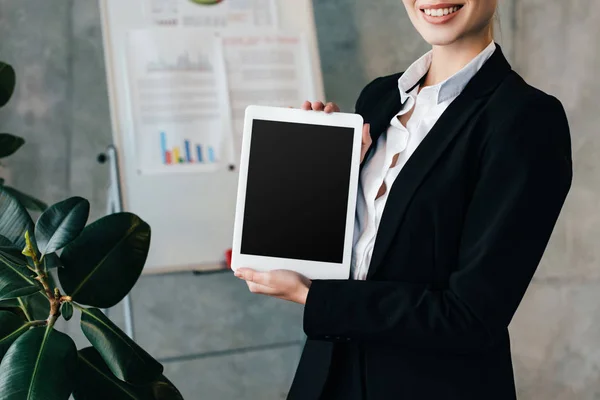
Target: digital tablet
{"points": [[297, 191]]}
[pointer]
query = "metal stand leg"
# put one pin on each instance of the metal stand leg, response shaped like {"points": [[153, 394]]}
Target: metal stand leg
{"points": [[115, 205], [128, 315]]}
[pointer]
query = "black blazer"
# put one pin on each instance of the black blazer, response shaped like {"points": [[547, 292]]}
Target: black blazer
{"points": [[464, 228]]}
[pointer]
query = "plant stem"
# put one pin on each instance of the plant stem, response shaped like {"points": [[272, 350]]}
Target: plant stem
{"points": [[37, 323], [53, 298], [42, 277], [52, 320]]}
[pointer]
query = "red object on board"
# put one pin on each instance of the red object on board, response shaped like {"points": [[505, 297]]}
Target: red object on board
{"points": [[228, 257]]}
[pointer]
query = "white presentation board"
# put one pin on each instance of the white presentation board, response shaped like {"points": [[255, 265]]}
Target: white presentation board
{"points": [[180, 74]]}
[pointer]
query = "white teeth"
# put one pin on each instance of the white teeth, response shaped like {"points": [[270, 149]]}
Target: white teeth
{"points": [[440, 12]]}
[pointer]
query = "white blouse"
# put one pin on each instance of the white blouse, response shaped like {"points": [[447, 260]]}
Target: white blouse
{"points": [[429, 104]]}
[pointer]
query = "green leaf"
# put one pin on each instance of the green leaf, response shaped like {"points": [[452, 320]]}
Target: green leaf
{"points": [[11, 327], [33, 307], [9, 144], [39, 365], [13, 306], [10, 303], [8, 292], [11, 251], [127, 361], [95, 381], [51, 261], [29, 202], [14, 219], [105, 261], [5, 242], [66, 309], [36, 306], [14, 256], [163, 389], [15, 279], [7, 83], [61, 224]]}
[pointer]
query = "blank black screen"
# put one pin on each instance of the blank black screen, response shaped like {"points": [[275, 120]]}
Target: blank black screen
{"points": [[297, 191]]}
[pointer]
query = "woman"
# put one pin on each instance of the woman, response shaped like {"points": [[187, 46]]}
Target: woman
{"points": [[465, 171]]}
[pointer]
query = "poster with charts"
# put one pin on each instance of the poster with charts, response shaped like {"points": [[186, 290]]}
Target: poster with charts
{"points": [[214, 14], [269, 68], [179, 96]]}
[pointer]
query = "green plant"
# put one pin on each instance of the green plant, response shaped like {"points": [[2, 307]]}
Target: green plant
{"points": [[9, 144], [97, 266]]}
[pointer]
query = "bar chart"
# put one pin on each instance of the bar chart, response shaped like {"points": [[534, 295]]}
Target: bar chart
{"points": [[185, 153]]}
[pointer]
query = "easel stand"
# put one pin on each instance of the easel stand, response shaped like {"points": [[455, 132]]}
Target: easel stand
{"points": [[114, 204]]}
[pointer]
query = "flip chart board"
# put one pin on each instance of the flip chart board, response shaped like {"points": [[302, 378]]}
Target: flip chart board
{"points": [[180, 74]]}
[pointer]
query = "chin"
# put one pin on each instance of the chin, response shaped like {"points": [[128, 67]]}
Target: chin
{"points": [[440, 38]]}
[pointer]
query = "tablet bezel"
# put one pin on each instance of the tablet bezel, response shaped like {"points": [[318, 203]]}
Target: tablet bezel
{"points": [[310, 269]]}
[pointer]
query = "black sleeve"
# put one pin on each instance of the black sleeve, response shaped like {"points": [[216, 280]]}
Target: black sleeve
{"points": [[525, 176]]}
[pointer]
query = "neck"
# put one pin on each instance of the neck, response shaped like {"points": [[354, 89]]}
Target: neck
{"points": [[449, 59]]}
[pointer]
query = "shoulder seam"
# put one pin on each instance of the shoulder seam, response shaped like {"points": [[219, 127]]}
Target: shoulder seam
{"points": [[365, 90]]}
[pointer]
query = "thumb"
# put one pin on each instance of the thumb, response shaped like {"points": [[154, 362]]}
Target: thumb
{"points": [[366, 141], [251, 275], [366, 136]]}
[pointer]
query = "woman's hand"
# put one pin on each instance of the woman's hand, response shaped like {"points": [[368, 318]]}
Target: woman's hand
{"points": [[319, 106], [286, 285], [332, 107]]}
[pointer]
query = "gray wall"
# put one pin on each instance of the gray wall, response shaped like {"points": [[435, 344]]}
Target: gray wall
{"points": [[556, 333], [216, 340]]}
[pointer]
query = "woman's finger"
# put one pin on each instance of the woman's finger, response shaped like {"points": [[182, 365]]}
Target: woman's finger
{"points": [[331, 108], [318, 105], [261, 289]]}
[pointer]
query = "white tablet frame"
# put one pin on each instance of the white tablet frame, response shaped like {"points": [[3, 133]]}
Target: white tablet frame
{"points": [[310, 269]]}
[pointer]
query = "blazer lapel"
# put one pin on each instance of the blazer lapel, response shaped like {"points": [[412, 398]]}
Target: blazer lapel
{"points": [[431, 148], [390, 106]]}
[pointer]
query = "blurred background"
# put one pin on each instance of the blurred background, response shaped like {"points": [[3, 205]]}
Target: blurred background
{"points": [[216, 340]]}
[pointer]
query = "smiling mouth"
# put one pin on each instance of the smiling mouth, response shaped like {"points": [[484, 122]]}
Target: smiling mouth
{"points": [[441, 10]]}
